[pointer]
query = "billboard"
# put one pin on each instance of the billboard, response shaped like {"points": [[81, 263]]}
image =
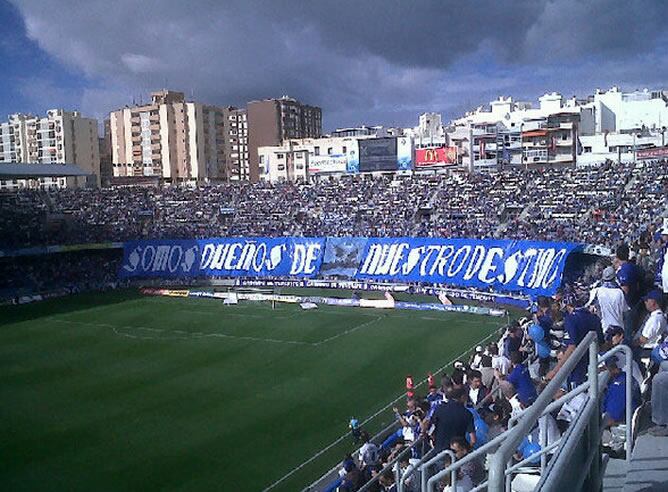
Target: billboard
{"points": [[353, 157], [327, 163], [655, 153], [435, 157], [404, 154], [378, 154]]}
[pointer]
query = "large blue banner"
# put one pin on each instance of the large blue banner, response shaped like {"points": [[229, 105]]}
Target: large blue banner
{"points": [[530, 267], [224, 257]]}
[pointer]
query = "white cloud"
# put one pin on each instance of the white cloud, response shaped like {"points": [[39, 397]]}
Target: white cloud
{"points": [[141, 63]]}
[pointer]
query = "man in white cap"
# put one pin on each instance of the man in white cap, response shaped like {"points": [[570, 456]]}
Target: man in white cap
{"points": [[609, 300], [476, 358]]}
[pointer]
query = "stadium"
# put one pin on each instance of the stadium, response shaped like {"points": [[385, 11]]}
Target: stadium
{"points": [[267, 337]]}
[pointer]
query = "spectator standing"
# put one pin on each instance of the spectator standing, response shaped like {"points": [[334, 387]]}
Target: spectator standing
{"points": [[628, 278], [452, 419], [487, 371], [521, 381], [540, 339], [474, 469], [661, 277], [475, 390], [500, 363], [368, 453], [578, 323], [513, 341], [610, 300], [654, 327]]}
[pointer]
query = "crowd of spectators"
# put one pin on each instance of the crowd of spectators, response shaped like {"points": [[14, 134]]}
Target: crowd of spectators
{"points": [[64, 272], [601, 205], [475, 402]]}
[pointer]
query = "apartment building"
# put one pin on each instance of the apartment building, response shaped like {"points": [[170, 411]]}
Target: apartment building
{"points": [[272, 121], [59, 137], [236, 144], [173, 139]]}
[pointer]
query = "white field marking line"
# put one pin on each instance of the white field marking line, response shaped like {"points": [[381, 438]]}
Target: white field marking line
{"points": [[228, 313], [191, 336], [348, 331], [368, 419]]}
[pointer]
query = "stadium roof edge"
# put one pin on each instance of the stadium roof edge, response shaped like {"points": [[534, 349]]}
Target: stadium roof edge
{"points": [[32, 170]]}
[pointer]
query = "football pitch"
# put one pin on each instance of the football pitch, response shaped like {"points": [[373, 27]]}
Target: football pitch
{"points": [[117, 391]]}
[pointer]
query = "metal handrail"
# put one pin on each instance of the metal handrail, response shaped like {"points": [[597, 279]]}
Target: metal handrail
{"points": [[600, 380], [425, 466], [389, 465], [499, 459], [577, 428], [415, 468]]}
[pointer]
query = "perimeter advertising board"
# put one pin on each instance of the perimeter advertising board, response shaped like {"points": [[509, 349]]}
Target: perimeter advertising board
{"points": [[655, 153]]}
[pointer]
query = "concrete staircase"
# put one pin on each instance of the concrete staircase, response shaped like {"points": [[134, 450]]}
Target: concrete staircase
{"points": [[648, 470]]}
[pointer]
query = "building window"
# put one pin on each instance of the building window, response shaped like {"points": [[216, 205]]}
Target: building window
{"points": [[316, 150], [330, 151], [344, 149], [587, 150], [279, 156]]}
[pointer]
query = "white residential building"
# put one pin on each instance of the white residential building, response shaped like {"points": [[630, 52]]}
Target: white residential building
{"points": [[60, 137], [308, 158]]}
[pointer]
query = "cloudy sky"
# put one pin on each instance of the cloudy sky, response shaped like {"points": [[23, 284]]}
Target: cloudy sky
{"points": [[362, 61]]}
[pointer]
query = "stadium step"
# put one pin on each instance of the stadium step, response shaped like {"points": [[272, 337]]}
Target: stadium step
{"points": [[615, 475], [648, 470]]}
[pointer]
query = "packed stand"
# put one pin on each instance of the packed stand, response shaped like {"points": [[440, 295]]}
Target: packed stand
{"points": [[29, 278], [599, 205]]}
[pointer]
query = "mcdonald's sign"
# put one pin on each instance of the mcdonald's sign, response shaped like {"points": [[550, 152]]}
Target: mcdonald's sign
{"points": [[435, 156]]}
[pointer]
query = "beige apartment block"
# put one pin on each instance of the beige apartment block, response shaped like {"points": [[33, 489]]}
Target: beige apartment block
{"points": [[174, 139]]}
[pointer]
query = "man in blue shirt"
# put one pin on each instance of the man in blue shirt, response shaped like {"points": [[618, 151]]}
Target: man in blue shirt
{"points": [[614, 402], [578, 322], [521, 380], [628, 278]]}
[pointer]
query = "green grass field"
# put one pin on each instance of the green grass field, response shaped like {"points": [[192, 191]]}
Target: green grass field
{"points": [[117, 391]]}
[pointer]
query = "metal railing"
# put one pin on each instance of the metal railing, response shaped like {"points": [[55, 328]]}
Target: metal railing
{"points": [[500, 459], [418, 442], [501, 468]]}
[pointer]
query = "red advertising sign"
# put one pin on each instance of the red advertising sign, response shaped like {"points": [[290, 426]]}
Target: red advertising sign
{"points": [[435, 156], [655, 153]]}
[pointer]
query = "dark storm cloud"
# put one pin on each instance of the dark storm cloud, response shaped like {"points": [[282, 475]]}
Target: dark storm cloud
{"points": [[362, 61]]}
